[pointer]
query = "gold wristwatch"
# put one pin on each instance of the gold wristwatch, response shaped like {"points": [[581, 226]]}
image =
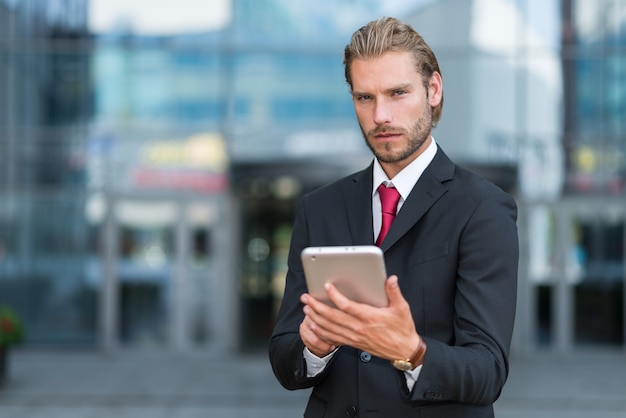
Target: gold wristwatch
{"points": [[412, 362]]}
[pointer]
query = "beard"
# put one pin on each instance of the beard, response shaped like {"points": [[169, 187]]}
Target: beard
{"points": [[417, 134]]}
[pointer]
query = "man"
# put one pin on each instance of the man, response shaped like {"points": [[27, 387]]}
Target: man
{"points": [[440, 348]]}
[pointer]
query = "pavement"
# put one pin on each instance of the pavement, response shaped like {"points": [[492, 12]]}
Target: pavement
{"points": [[159, 384]]}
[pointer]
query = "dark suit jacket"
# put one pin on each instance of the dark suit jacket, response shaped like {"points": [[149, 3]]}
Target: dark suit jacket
{"points": [[454, 248]]}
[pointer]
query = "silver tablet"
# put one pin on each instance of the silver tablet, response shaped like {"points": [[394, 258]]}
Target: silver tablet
{"points": [[358, 272]]}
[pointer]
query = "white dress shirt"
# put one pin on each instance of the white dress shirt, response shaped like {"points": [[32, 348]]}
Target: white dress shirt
{"points": [[403, 182]]}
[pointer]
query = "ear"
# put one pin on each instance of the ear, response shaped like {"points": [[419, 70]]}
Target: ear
{"points": [[435, 89]]}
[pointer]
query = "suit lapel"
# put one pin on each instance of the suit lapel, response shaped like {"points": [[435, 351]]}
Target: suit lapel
{"points": [[428, 189], [358, 202]]}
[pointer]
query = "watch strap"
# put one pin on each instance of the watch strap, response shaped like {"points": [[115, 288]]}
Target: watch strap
{"points": [[415, 360], [418, 356]]}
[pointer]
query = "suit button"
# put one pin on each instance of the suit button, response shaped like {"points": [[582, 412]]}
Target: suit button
{"points": [[366, 357], [351, 411]]}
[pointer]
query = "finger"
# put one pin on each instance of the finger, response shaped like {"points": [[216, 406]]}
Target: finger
{"points": [[336, 297], [304, 298], [347, 305], [394, 294], [313, 303], [322, 336], [310, 339], [322, 313], [327, 327], [335, 325]]}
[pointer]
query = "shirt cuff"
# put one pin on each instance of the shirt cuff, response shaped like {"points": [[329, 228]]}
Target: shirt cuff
{"points": [[411, 376], [314, 364]]}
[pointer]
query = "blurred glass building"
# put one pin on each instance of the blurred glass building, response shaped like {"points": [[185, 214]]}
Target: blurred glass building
{"points": [[148, 182], [45, 106], [576, 244]]}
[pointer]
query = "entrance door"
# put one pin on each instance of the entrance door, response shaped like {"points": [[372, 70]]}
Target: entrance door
{"points": [[598, 294], [161, 265], [146, 260], [575, 268]]}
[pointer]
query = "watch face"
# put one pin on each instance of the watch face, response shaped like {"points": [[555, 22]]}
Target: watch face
{"points": [[402, 365]]}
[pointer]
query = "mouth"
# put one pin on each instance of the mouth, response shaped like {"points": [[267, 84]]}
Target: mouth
{"points": [[386, 136]]}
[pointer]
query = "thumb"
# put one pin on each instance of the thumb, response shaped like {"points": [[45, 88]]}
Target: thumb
{"points": [[393, 290]]}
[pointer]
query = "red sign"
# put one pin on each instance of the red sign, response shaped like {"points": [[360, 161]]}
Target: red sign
{"points": [[198, 181]]}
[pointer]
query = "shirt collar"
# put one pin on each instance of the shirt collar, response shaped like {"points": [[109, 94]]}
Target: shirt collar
{"points": [[405, 179]]}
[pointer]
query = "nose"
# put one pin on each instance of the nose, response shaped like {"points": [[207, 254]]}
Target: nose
{"points": [[382, 112]]}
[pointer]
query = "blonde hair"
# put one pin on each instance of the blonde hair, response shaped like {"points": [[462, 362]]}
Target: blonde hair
{"points": [[390, 34]]}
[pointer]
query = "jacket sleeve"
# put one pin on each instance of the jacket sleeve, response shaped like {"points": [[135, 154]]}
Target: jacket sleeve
{"points": [[475, 367], [286, 346]]}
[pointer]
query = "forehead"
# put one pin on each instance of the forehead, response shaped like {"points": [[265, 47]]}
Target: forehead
{"points": [[391, 68]]}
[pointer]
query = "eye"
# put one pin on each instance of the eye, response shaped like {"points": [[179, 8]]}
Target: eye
{"points": [[399, 92], [363, 97]]}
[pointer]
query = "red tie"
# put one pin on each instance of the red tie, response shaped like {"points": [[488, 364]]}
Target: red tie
{"points": [[389, 198]]}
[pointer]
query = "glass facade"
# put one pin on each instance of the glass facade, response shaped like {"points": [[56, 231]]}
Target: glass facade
{"points": [[44, 110], [594, 62]]}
